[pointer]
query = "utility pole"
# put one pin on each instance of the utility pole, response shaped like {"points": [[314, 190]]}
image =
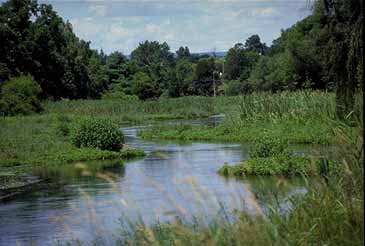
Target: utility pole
{"points": [[214, 84]]}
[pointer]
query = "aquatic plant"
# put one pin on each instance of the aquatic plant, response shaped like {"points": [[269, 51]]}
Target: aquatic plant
{"points": [[97, 133]]}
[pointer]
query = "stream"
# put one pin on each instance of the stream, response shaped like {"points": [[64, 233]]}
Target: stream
{"points": [[174, 179]]}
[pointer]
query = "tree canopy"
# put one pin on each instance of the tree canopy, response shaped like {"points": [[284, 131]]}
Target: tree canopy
{"points": [[323, 51]]}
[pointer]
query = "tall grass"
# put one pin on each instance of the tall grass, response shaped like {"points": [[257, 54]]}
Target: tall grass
{"points": [[299, 117], [330, 213], [139, 111], [286, 105]]}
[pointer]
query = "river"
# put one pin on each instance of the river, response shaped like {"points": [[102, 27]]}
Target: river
{"points": [[174, 179]]}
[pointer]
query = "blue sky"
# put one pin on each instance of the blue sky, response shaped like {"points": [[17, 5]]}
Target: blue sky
{"points": [[202, 25]]}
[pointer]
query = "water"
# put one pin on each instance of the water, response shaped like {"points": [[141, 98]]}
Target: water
{"points": [[174, 179]]}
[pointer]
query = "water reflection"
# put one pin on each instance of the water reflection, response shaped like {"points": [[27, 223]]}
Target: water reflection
{"points": [[173, 179]]}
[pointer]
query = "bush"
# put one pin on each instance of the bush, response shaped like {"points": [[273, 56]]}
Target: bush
{"points": [[267, 147], [288, 165], [63, 125], [20, 96], [97, 133]]}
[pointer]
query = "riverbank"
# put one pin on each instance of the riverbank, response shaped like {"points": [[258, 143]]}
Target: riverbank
{"points": [[36, 140], [39, 141]]}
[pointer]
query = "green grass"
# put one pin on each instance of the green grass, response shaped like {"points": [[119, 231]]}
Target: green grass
{"points": [[34, 140], [277, 165], [307, 132], [331, 212], [42, 141], [296, 117], [141, 111]]}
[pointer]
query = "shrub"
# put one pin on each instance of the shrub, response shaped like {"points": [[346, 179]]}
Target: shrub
{"points": [[287, 165], [63, 125], [97, 133], [266, 147], [19, 95]]}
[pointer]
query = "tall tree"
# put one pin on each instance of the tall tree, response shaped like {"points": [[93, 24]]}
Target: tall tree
{"points": [[253, 43], [183, 52], [203, 78], [342, 48]]}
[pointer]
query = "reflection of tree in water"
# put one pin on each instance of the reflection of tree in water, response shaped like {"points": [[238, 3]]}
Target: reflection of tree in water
{"points": [[81, 171]]}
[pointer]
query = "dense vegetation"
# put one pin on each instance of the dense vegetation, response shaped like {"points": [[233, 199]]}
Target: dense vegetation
{"points": [[322, 51], [305, 88], [294, 117]]}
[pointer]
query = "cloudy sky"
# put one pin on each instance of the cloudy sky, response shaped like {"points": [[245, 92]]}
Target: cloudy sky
{"points": [[202, 25]]}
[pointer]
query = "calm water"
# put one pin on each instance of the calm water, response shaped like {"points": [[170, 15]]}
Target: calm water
{"points": [[174, 179]]}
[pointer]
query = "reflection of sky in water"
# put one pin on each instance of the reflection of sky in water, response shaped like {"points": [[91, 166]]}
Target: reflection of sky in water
{"points": [[173, 179]]}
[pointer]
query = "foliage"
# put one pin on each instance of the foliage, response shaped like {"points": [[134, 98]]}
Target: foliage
{"points": [[253, 43], [203, 78], [235, 87], [97, 133], [181, 85], [37, 140], [294, 117], [143, 86], [183, 53], [20, 95], [121, 96], [281, 164], [267, 147]]}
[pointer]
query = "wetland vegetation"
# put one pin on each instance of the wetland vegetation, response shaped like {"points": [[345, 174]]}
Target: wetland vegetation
{"points": [[84, 132]]}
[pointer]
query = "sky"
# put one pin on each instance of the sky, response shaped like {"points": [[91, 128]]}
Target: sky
{"points": [[202, 25]]}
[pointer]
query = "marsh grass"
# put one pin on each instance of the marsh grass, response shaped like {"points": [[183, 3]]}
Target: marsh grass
{"points": [[330, 213], [140, 111], [39, 141], [295, 117]]}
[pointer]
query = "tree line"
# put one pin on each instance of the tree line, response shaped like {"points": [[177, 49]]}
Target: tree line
{"points": [[322, 51]]}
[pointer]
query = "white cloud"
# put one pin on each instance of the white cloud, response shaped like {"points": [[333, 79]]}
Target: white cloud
{"points": [[265, 12], [85, 27], [152, 28], [169, 36], [118, 31], [98, 10]]}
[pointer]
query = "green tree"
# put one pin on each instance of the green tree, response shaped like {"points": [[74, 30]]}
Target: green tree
{"points": [[157, 61], [19, 95], [239, 62], [143, 86], [183, 52], [182, 84], [253, 43], [341, 46], [203, 78], [116, 64]]}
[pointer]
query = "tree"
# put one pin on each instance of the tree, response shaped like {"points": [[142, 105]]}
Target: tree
{"points": [[152, 52], [143, 86], [181, 85], [20, 96], [253, 43], [35, 40], [341, 46], [239, 62], [116, 65], [183, 52], [157, 61], [98, 75], [203, 78]]}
